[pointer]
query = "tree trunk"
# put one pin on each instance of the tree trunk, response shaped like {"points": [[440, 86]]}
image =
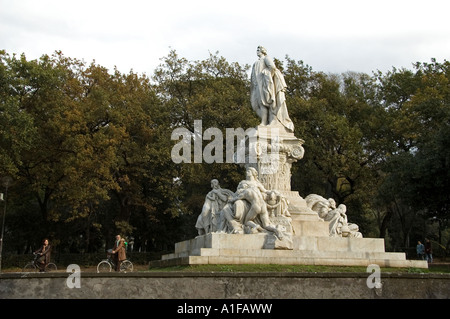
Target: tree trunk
{"points": [[385, 223]]}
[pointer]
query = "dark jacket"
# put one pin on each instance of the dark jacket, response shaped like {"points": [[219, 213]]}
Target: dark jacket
{"points": [[44, 251], [428, 249]]}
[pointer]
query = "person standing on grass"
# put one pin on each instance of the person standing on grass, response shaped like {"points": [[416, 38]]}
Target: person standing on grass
{"points": [[428, 250], [420, 249]]}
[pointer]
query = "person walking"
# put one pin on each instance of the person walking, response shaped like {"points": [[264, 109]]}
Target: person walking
{"points": [[119, 253]]}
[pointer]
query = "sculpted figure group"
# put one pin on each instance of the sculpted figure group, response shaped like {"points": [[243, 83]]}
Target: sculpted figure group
{"points": [[247, 211]]}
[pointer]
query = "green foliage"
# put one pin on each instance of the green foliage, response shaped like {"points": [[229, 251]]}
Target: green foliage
{"points": [[90, 149], [376, 143], [294, 269]]}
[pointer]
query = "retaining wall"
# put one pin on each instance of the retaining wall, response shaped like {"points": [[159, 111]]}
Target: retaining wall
{"points": [[236, 285]]}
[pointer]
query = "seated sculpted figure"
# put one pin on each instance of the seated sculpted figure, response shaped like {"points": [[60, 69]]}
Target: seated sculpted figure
{"points": [[255, 207], [209, 219], [247, 211], [343, 227]]}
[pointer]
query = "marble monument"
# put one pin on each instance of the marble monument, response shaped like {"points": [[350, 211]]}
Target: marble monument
{"points": [[263, 221]]}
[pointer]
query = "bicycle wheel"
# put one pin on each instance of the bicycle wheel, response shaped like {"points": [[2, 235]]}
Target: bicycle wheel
{"points": [[30, 267], [126, 266], [51, 267], [104, 266]]}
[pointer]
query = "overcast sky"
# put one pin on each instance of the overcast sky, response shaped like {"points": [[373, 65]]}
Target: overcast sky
{"points": [[329, 35]]}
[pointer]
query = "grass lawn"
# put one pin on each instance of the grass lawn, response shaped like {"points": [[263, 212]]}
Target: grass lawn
{"points": [[438, 267], [444, 268]]}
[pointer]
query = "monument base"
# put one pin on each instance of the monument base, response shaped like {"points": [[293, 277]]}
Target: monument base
{"points": [[222, 248]]}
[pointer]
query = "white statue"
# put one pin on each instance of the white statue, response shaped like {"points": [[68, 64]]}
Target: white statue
{"points": [[343, 227], [277, 204], [268, 92], [336, 216], [246, 211], [209, 219]]}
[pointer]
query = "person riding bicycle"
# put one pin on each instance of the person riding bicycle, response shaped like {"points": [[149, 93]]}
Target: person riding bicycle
{"points": [[118, 252], [43, 254]]}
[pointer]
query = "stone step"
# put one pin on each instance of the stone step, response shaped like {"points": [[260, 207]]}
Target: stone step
{"points": [[221, 248], [237, 260], [258, 241], [278, 253], [275, 253]]}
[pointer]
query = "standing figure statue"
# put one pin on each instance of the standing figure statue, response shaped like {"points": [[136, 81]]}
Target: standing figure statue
{"points": [[209, 219], [267, 92]]}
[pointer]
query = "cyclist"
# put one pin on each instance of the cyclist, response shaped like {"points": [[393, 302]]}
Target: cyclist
{"points": [[43, 255], [118, 252]]}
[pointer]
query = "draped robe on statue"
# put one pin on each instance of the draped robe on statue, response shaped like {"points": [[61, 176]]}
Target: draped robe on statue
{"points": [[268, 87]]}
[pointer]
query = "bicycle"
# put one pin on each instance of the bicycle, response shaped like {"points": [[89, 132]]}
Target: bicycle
{"points": [[108, 264], [33, 266]]}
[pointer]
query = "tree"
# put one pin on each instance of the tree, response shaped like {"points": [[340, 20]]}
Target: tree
{"points": [[333, 114], [417, 164], [82, 135], [90, 149], [216, 93]]}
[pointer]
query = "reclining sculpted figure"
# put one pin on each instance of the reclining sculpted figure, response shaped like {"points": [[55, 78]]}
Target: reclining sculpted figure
{"points": [[327, 210]]}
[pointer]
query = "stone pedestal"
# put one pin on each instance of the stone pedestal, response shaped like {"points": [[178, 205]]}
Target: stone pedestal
{"points": [[216, 248], [303, 227]]}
